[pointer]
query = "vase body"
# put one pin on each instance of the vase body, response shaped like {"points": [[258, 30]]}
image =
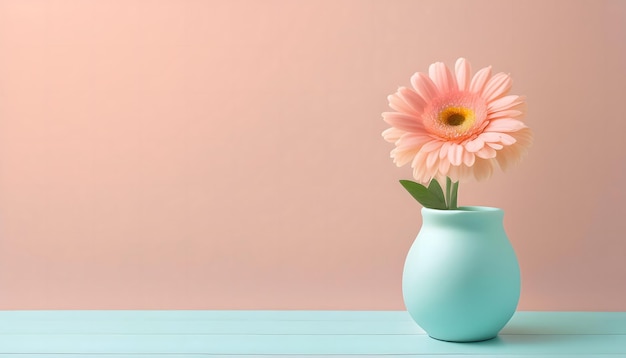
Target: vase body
{"points": [[461, 279]]}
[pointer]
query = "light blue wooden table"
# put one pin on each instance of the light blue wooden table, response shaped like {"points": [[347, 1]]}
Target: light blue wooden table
{"points": [[169, 334]]}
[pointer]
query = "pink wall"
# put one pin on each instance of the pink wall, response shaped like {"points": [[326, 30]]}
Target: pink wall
{"points": [[227, 154]]}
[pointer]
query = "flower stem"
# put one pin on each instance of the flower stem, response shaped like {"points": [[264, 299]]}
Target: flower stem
{"points": [[455, 192], [452, 190], [448, 189]]}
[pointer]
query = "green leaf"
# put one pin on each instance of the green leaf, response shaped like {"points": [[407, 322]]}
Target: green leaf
{"points": [[424, 196], [435, 188]]}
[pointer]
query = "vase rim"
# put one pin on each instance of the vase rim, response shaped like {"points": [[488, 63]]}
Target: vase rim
{"points": [[465, 209]]}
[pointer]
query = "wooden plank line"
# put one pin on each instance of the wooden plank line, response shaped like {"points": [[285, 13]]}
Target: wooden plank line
{"points": [[301, 344], [153, 323]]}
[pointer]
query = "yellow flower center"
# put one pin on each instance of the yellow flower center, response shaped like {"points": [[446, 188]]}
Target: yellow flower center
{"points": [[455, 117], [457, 120]]}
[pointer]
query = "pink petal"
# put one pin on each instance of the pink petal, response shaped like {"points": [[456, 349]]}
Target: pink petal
{"points": [[398, 104], [505, 125], [432, 172], [442, 77], [468, 158], [505, 159], [506, 102], [475, 145], [460, 173], [432, 146], [453, 174], [497, 137], [480, 79], [402, 157], [507, 139], [420, 172], [403, 121], [432, 159], [508, 113], [486, 153], [443, 151], [512, 154], [490, 136], [414, 100], [413, 140], [407, 148], [392, 134], [483, 169], [495, 146], [462, 68], [419, 160], [498, 86], [455, 154], [424, 86], [524, 137], [509, 156], [444, 166]]}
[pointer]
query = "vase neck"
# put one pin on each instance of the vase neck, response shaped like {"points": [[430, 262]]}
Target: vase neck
{"points": [[465, 216]]}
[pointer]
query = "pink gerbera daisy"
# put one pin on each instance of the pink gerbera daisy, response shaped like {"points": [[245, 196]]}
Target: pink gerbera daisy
{"points": [[455, 125]]}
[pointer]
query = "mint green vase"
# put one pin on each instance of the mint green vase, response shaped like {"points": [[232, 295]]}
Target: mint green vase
{"points": [[461, 280]]}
